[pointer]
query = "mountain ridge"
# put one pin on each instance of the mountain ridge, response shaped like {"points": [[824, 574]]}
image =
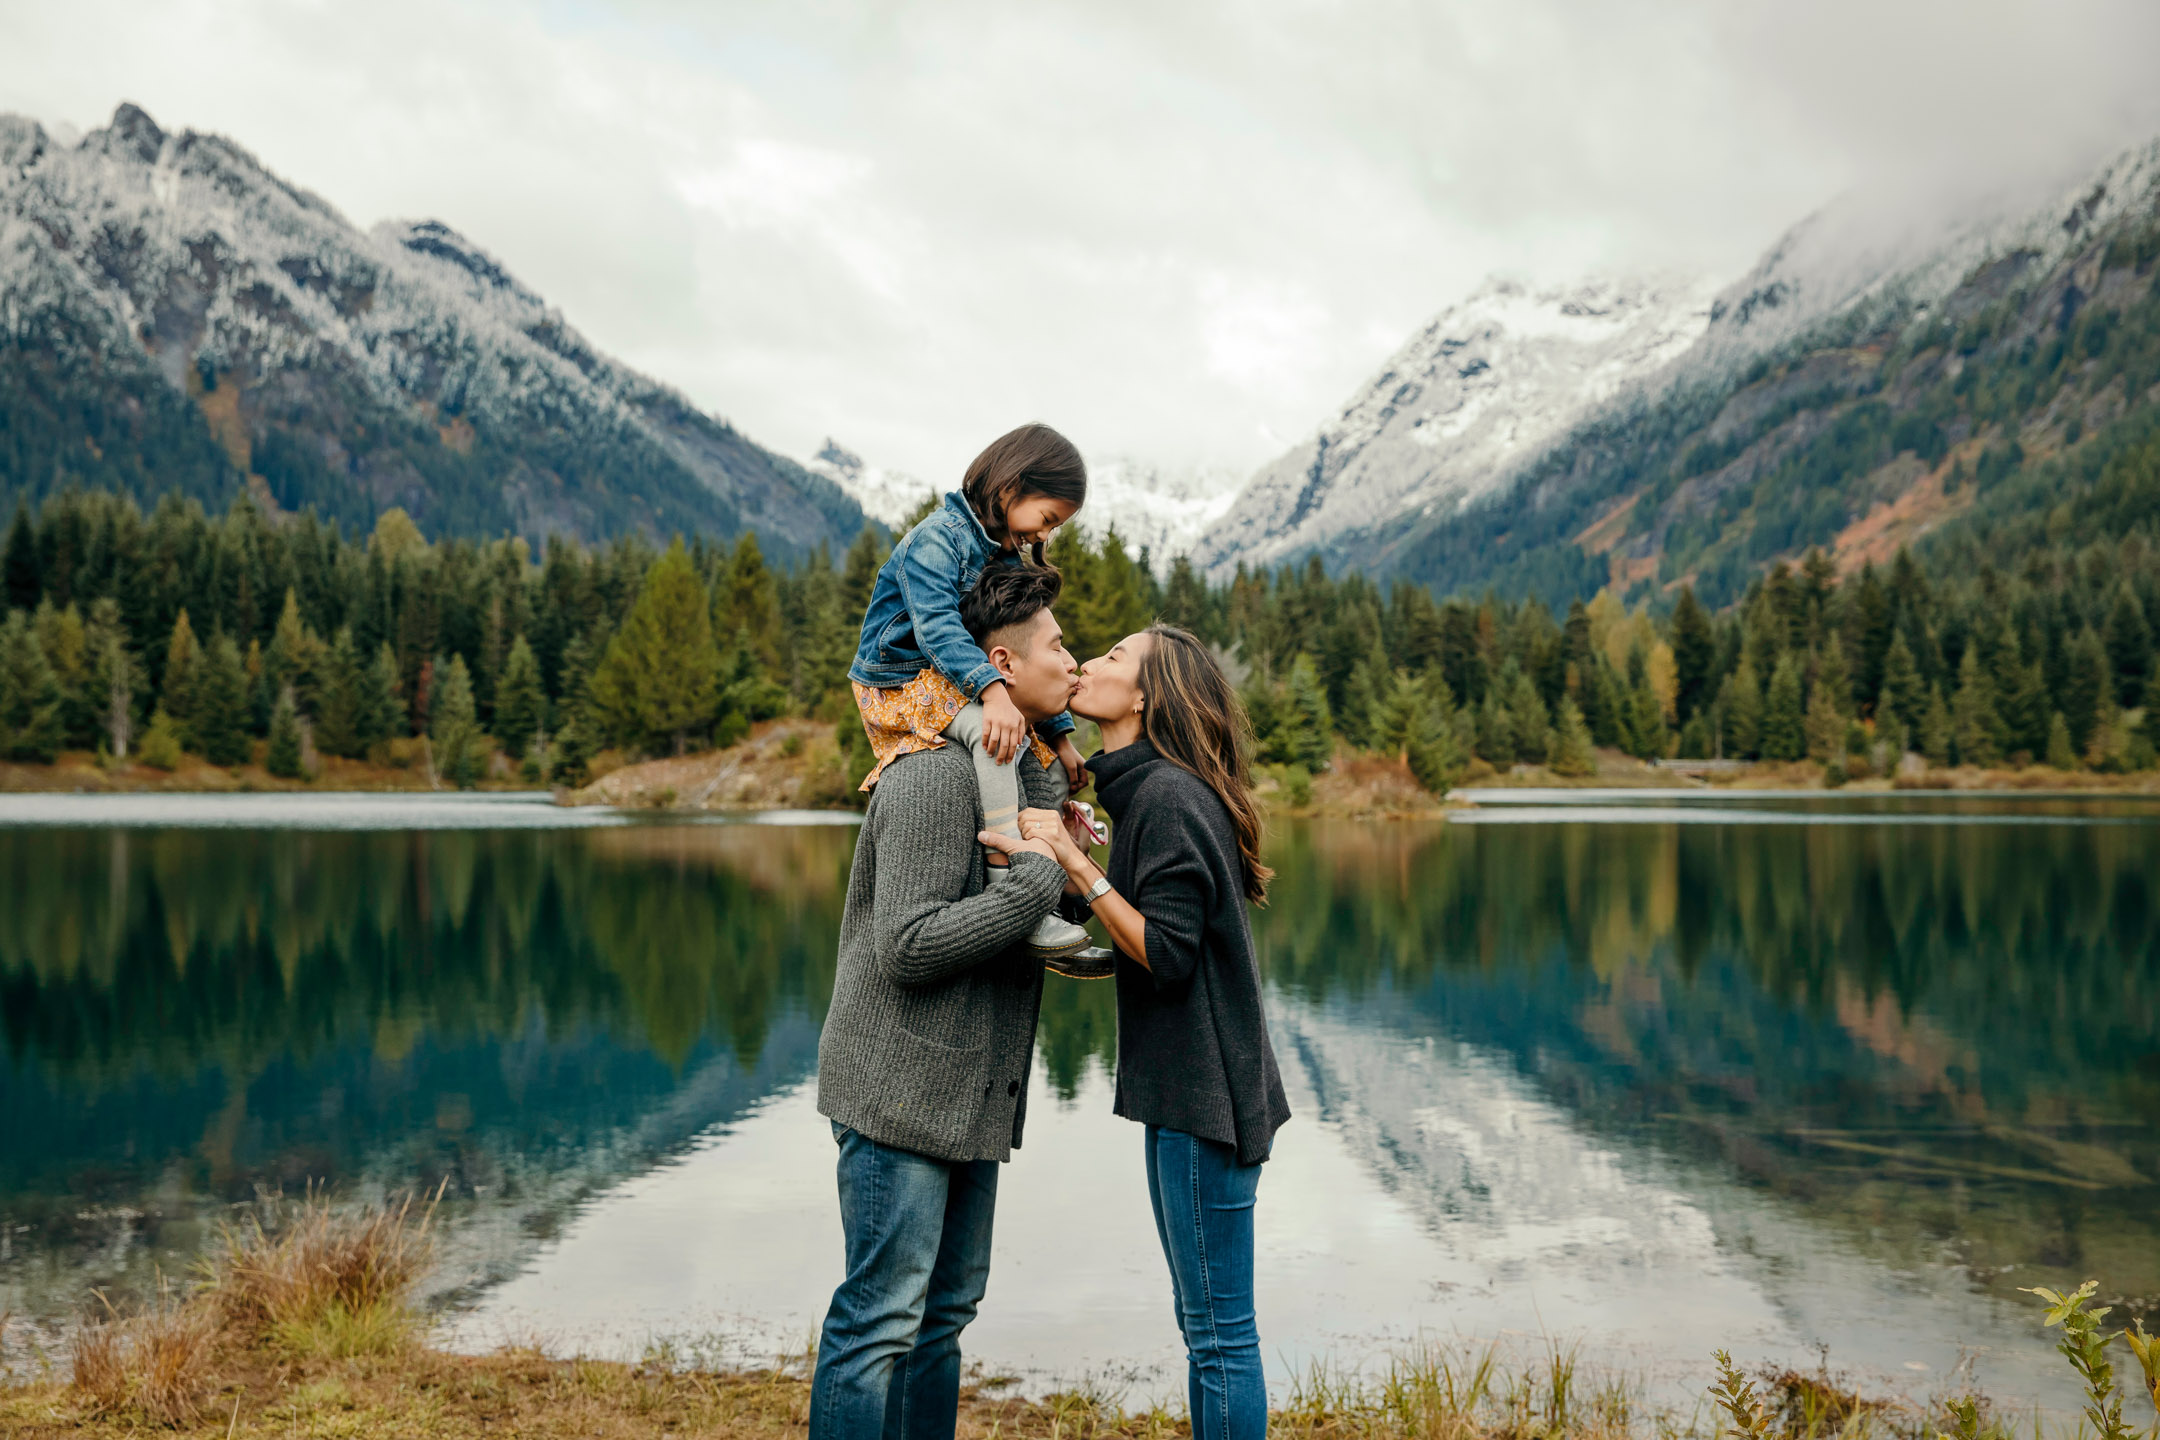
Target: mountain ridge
{"points": [[345, 369]]}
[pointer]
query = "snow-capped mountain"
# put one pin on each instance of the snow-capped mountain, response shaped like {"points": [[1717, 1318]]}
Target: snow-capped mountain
{"points": [[1511, 377], [1489, 385], [887, 496], [1162, 511], [347, 369]]}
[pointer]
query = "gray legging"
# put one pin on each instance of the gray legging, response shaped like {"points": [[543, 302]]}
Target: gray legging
{"points": [[999, 784]]}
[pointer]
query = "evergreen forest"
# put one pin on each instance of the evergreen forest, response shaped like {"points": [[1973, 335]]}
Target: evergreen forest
{"points": [[238, 636]]}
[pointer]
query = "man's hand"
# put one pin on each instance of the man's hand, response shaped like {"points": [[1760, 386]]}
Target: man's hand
{"points": [[1004, 732], [1011, 846], [1068, 755]]}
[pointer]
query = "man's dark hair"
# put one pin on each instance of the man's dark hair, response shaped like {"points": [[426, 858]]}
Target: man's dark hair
{"points": [[1008, 595]]}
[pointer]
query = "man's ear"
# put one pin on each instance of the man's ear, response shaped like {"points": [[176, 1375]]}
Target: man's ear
{"points": [[1002, 658]]}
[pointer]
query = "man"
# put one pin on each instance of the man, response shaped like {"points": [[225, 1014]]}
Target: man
{"points": [[923, 1065]]}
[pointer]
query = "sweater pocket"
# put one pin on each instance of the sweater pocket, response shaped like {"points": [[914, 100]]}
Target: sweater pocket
{"points": [[943, 1022]]}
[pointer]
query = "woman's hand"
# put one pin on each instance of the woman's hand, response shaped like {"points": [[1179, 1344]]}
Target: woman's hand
{"points": [[1068, 755], [1004, 732], [1048, 826]]}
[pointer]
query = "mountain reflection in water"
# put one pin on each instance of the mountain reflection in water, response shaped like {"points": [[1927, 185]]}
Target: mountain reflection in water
{"points": [[1920, 1057]]}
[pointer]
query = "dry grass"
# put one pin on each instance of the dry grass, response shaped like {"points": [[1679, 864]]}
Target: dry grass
{"points": [[328, 1283], [155, 1363]]}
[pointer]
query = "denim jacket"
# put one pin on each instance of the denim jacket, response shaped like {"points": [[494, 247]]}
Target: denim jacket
{"points": [[914, 615]]}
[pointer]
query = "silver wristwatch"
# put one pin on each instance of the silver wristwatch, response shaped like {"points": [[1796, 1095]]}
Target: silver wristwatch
{"points": [[1095, 892]]}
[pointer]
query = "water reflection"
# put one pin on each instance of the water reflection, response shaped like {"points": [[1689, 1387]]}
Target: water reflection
{"points": [[1560, 1051]]}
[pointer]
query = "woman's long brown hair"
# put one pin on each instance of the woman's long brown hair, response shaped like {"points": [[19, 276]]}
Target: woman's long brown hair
{"points": [[1195, 720], [1032, 460]]}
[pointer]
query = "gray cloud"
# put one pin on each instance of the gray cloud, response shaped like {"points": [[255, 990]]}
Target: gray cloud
{"points": [[1181, 231]]}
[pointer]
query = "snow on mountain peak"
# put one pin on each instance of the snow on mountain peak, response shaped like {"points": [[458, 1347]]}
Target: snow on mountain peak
{"points": [[1481, 390], [888, 496]]}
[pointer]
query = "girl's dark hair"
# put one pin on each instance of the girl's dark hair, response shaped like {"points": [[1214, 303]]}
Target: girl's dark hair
{"points": [[1195, 720], [1032, 460]]}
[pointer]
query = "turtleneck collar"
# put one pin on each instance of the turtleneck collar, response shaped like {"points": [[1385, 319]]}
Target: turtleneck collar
{"points": [[1117, 772]]}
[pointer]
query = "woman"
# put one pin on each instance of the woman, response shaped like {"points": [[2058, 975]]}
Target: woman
{"points": [[1194, 1063]]}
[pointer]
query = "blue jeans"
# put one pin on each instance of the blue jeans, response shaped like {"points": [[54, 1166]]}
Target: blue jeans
{"points": [[918, 1260], [1203, 1203]]}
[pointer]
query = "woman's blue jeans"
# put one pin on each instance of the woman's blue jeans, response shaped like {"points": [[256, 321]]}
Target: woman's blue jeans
{"points": [[918, 1261], [1203, 1203]]}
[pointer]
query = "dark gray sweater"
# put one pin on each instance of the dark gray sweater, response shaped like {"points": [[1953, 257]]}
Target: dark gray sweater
{"points": [[931, 1031], [1193, 1050]]}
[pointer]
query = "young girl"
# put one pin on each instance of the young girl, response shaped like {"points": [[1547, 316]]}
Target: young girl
{"points": [[921, 680]]}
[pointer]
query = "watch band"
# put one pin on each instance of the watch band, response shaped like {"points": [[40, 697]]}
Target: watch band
{"points": [[1095, 892]]}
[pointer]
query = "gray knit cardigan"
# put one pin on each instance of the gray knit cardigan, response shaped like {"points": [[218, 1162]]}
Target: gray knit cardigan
{"points": [[931, 1033]]}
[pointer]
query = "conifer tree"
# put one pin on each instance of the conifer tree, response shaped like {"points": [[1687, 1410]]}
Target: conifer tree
{"points": [[1740, 704], [2129, 646], [160, 746], [745, 604], [1976, 729], [60, 634], [1903, 698], [1784, 727], [31, 702], [1694, 652], [858, 575], [1935, 734], [19, 583], [116, 677], [1607, 707], [221, 704], [283, 758], [1832, 678], [1825, 727], [288, 663], [2087, 687], [182, 677], [2060, 753], [520, 707], [1648, 739], [1495, 743], [656, 685], [337, 708], [378, 708], [1526, 709], [456, 726], [1309, 732], [1571, 752]]}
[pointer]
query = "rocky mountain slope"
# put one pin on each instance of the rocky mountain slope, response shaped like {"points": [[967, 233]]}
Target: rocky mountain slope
{"points": [[1875, 379], [1489, 385], [174, 315]]}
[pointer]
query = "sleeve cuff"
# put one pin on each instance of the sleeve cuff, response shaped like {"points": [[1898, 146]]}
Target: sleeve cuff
{"points": [[974, 681], [1058, 724]]}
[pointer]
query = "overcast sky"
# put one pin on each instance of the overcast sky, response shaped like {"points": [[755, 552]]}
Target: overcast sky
{"points": [[1180, 231]]}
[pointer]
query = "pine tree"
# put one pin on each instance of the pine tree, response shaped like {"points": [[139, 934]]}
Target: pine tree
{"points": [[283, 759], [378, 709], [1607, 707], [858, 576], [2087, 686], [1832, 678], [1975, 727], [1186, 601], [1903, 698], [337, 708], [116, 677], [1935, 735], [2061, 755], [745, 603], [160, 746], [1825, 727], [1740, 703], [182, 677], [19, 585], [1784, 727], [61, 636], [656, 685], [1526, 710], [1571, 751], [31, 702], [2129, 646], [1871, 635], [1648, 739], [1694, 650], [456, 725], [520, 707], [221, 704], [289, 663], [1309, 732]]}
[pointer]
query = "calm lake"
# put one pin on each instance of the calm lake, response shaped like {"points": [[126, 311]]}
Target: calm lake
{"points": [[1659, 1074]]}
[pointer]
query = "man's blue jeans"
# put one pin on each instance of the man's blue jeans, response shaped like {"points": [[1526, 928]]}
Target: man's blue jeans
{"points": [[1204, 1216], [918, 1259]]}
